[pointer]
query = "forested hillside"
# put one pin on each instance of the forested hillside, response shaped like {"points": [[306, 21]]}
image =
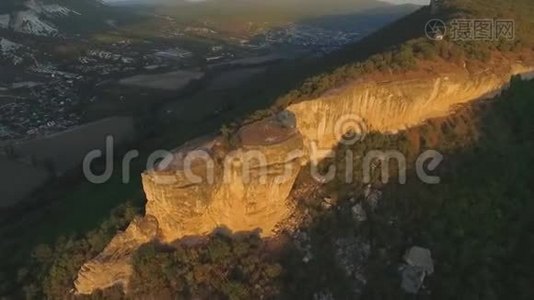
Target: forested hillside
{"points": [[403, 45], [477, 221]]}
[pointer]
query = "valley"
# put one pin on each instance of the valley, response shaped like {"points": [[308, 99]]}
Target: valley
{"points": [[71, 68], [137, 64]]}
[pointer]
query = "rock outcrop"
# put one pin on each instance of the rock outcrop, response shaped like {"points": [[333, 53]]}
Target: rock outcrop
{"points": [[390, 106], [113, 266], [419, 264], [205, 185], [241, 183]]}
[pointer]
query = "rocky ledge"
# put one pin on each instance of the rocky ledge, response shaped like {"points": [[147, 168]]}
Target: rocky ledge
{"points": [[242, 182]]}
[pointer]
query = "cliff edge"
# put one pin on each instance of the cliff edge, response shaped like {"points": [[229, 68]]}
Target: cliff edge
{"points": [[241, 182]]}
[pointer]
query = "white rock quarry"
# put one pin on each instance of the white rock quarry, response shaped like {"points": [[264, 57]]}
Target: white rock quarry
{"points": [[30, 21], [4, 21], [9, 49], [50, 10], [7, 46]]}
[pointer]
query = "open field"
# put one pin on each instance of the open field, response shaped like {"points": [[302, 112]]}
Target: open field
{"points": [[66, 150], [233, 78], [172, 81], [27, 179]]}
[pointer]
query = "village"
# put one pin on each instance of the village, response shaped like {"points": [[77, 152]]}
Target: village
{"points": [[43, 96], [312, 38]]}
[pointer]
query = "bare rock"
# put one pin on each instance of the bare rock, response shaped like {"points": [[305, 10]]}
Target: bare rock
{"points": [[420, 257], [203, 186], [227, 196], [114, 266], [419, 264], [358, 213]]}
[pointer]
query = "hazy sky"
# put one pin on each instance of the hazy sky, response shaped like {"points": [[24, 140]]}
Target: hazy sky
{"points": [[422, 2]]}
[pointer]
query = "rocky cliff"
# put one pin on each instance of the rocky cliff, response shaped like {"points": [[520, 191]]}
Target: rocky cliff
{"points": [[393, 105], [205, 185], [210, 183], [241, 182]]}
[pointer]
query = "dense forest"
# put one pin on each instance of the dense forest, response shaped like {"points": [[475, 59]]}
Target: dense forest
{"points": [[478, 220]]}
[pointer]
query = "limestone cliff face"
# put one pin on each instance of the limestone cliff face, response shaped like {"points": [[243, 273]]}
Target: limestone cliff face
{"points": [[242, 183], [113, 265], [395, 105], [205, 186]]}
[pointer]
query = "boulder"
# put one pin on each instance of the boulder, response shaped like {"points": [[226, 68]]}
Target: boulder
{"points": [[418, 265], [358, 213]]}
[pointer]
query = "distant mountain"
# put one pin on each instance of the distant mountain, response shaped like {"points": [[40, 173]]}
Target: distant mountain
{"points": [[29, 27], [303, 7], [57, 17], [34, 17]]}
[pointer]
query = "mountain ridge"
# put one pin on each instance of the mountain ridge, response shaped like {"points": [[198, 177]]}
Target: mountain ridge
{"points": [[394, 86], [217, 204], [386, 105]]}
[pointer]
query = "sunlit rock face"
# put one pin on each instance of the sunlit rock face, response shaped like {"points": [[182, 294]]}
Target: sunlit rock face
{"points": [[113, 266], [390, 106], [206, 186], [242, 183]]}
